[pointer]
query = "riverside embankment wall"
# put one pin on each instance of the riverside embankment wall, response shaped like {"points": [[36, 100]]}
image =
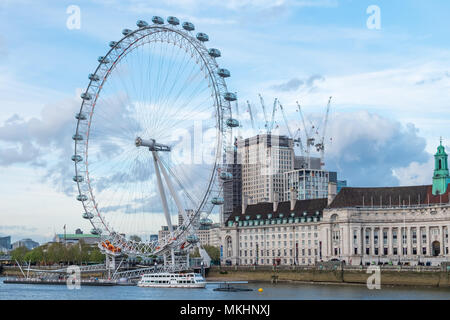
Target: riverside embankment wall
{"points": [[437, 277], [14, 271]]}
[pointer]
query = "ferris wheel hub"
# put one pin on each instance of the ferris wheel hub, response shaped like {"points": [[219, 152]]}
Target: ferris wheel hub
{"points": [[151, 144]]}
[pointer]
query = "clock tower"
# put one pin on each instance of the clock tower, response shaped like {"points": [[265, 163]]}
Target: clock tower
{"points": [[441, 176]]}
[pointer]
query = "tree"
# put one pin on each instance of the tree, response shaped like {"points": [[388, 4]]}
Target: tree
{"points": [[74, 254], [135, 238], [85, 250], [35, 256], [213, 252], [56, 253], [96, 256], [195, 253], [19, 254]]}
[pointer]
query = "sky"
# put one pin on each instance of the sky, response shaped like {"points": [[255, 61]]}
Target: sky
{"points": [[389, 82]]}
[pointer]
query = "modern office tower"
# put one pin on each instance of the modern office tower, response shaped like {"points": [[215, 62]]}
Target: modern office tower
{"points": [[5, 242], [307, 184], [301, 162], [28, 243], [232, 188], [264, 158]]}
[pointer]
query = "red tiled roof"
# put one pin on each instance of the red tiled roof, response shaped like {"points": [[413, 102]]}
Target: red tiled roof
{"points": [[387, 196], [265, 208]]}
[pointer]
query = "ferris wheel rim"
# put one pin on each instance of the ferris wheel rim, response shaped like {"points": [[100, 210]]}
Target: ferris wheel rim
{"points": [[221, 105]]}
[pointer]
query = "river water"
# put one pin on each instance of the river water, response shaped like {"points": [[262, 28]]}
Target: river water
{"points": [[283, 291]]}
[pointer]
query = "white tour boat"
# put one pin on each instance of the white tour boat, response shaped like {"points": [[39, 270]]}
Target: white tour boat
{"points": [[172, 280]]}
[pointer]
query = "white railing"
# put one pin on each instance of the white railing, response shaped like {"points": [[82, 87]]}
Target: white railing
{"points": [[157, 269]]}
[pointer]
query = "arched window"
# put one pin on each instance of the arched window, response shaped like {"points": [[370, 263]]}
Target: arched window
{"points": [[229, 248], [333, 217]]}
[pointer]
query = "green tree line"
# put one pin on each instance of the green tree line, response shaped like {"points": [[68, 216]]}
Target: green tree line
{"points": [[49, 254], [213, 252]]}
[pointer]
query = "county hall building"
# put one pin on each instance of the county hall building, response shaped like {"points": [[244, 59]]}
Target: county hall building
{"points": [[407, 225]]}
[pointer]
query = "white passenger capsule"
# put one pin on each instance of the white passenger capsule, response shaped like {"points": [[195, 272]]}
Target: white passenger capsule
{"points": [[77, 137], [188, 26], [88, 215], [157, 20], [217, 201], [226, 176], [192, 238], [80, 116], [141, 23], [229, 96], [103, 59], [232, 123], [203, 37], [224, 73], [96, 231], [173, 21], [78, 178], [115, 44], [93, 77], [86, 96], [215, 53], [206, 221], [126, 32], [77, 158], [82, 197]]}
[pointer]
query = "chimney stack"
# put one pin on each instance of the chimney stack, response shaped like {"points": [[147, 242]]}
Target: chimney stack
{"points": [[275, 202], [293, 197], [244, 203], [332, 191]]}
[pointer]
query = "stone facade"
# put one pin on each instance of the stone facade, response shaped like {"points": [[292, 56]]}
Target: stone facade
{"points": [[407, 225]]}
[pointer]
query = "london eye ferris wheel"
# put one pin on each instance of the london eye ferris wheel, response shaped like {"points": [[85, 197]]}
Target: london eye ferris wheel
{"points": [[152, 134]]}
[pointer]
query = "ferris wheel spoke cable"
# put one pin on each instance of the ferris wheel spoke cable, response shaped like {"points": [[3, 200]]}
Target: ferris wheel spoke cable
{"points": [[132, 93], [126, 195], [100, 164], [142, 89], [110, 126], [184, 106], [188, 82], [129, 95], [118, 186], [181, 73], [176, 111], [170, 72], [178, 118], [108, 122], [181, 68], [161, 70], [194, 202]]}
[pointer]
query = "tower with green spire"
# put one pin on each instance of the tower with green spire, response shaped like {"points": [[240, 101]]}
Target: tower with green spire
{"points": [[441, 177]]}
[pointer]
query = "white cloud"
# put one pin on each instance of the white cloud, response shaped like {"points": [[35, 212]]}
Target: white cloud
{"points": [[19, 97], [415, 173], [366, 148]]}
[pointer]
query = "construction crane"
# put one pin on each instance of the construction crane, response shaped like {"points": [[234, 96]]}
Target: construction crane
{"points": [[270, 127], [261, 100], [295, 138], [237, 110], [251, 115], [320, 147], [268, 124], [309, 139]]}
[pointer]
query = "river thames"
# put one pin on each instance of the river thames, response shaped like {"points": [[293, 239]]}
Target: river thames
{"points": [[280, 291]]}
